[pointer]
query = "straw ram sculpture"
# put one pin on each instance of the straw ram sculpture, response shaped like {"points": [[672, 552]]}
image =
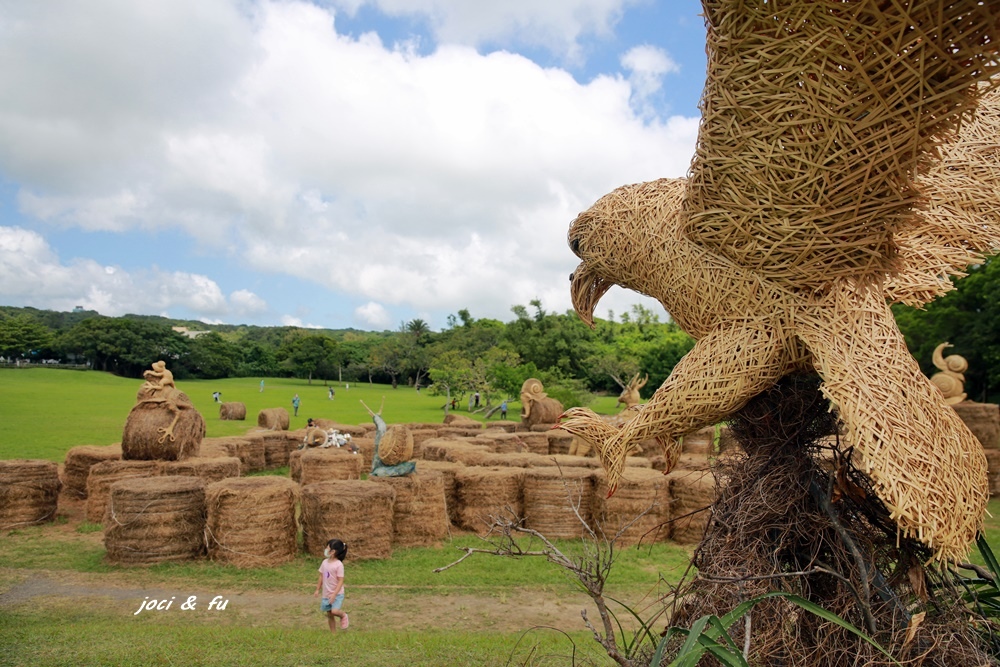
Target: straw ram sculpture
{"points": [[840, 165]]}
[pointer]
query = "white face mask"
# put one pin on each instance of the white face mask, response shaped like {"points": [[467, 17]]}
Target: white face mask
{"points": [[326, 552]]}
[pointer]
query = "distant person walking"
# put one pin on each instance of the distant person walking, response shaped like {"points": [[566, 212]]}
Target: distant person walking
{"points": [[329, 393], [295, 404], [476, 397], [503, 409], [217, 395], [262, 386]]}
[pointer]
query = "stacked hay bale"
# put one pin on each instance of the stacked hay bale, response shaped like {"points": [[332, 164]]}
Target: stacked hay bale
{"points": [[459, 431], [275, 446], [455, 419], [692, 493], [78, 462], [482, 493], [29, 492], [448, 470], [328, 464], [273, 419], [983, 419], [295, 465], [553, 497], [250, 521], [358, 512], [641, 502], [103, 475], [366, 450], [505, 426], [228, 446], [456, 451], [420, 512], [232, 411], [210, 470], [700, 442], [155, 520], [525, 460], [559, 441]]}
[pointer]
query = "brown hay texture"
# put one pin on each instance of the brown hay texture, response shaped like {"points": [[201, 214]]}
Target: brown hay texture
{"points": [[571, 461], [250, 521], [277, 446], [459, 431], [483, 493], [273, 419], [314, 437], [505, 426], [295, 465], [448, 471], [29, 492], [366, 450], [227, 446], [692, 493], [232, 411], [993, 466], [144, 437], [983, 419], [253, 450], [642, 503], [526, 460], [78, 462], [210, 470], [357, 512], [396, 445], [155, 520], [699, 442], [420, 513], [328, 464], [559, 441], [841, 161], [355, 430], [456, 451], [454, 419], [103, 475], [550, 496], [507, 443]]}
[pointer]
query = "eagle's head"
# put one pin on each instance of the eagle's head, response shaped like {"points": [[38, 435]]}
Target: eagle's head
{"points": [[617, 239]]}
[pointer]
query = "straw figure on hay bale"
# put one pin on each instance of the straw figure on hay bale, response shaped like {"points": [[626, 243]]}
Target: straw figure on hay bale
{"points": [[951, 380], [393, 447], [536, 406], [157, 401]]}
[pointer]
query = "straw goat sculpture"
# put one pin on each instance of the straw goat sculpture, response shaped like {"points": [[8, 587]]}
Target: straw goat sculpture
{"points": [[841, 164]]}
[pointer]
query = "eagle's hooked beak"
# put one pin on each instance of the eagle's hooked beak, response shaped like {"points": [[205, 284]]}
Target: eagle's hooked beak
{"points": [[586, 289]]}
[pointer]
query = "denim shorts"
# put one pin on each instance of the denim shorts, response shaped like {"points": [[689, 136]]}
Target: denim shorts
{"points": [[337, 601]]}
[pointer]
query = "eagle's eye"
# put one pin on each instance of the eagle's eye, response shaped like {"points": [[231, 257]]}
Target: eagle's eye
{"points": [[574, 245]]}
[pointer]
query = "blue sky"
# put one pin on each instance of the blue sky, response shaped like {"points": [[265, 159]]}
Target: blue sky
{"points": [[344, 163]]}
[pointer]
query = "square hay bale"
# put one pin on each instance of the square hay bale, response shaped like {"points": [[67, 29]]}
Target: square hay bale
{"points": [[448, 470], [155, 520], [78, 462], [692, 493], [983, 419], [525, 460], [505, 426], [485, 492], [256, 459], [328, 464], [366, 450], [700, 442], [250, 521], [554, 496], [229, 446], [639, 509], [993, 470], [420, 513], [460, 431], [357, 512], [559, 441], [571, 461], [210, 470], [29, 492], [295, 465], [104, 474], [456, 451]]}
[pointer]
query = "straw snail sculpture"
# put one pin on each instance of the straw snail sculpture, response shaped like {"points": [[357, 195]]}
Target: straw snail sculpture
{"points": [[951, 380], [838, 166]]}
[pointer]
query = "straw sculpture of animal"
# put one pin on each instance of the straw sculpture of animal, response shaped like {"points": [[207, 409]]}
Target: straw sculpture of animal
{"points": [[536, 406], [950, 381], [164, 423], [630, 392], [840, 164]]}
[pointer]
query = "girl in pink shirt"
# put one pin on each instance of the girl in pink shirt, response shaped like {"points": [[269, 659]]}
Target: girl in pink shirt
{"points": [[331, 583]]}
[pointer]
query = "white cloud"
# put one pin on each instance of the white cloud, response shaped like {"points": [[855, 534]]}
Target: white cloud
{"points": [[292, 321], [429, 182], [245, 302], [373, 314], [648, 65]]}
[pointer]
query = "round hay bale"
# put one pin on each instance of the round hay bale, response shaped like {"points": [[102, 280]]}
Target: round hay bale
{"points": [[455, 419], [78, 462], [155, 520], [29, 492], [357, 512], [295, 465], [152, 434], [328, 464], [448, 470], [993, 470], [420, 513], [396, 445], [692, 493], [210, 470], [485, 492], [641, 502], [103, 475], [250, 521], [228, 446], [273, 419], [276, 446], [232, 411], [550, 496]]}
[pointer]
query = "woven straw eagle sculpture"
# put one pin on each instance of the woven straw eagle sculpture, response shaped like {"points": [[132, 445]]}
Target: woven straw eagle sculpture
{"points": [[847, 158]]}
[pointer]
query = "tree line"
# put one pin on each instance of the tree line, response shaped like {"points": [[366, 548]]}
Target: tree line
{"points": [[469, 354]]}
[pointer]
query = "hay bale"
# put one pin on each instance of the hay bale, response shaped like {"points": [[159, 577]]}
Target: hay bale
{"points": [[357, 512], [448, 470], [155, 520], [420, 513], [228, 446], [505, 426], [525, 460], [550, 496], [328, 464], [29, 492], [276, 446], [573, 461], [983, 419], [366, 450], [642, 500], [209, 469], [455, 419], [354, 430], [459, 431], [315, 437], [559, 441], [514, 443], [146, 437], [699, 442], [250, 522], [295, 465], [256, 459], [692, 493], [103, 475], [993, 468], [232, 411], [273, 419], [396, 445], [456, 451], [78, 462], [485, 492]]}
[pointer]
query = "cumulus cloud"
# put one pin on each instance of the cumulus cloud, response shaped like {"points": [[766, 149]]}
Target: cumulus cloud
{"points": [[435, 181]]}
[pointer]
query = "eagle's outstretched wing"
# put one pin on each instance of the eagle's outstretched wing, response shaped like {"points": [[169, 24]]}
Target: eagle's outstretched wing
{"points": [[818, 115]]}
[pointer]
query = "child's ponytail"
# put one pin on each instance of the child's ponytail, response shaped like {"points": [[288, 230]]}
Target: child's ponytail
{"points": [[337, 548]]}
